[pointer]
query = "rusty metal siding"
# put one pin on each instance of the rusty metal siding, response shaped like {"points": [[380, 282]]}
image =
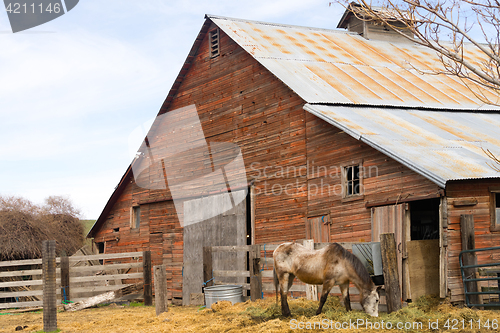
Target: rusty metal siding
{"points": [[338, 67], [441, 146]]}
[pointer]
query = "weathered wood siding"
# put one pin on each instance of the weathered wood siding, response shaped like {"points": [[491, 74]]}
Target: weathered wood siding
{"points": [[473, 190], [384, 179]]}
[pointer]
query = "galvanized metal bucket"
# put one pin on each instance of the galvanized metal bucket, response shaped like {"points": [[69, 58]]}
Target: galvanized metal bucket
{"points": [[213, 294]]}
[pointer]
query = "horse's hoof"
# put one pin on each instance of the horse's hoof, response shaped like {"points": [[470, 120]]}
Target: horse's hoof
{"points": [[318, 313], [288, 314]]}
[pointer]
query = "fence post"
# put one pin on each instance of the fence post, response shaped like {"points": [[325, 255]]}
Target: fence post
{"points": [[469, 243], [390, 271], [311, 290], [49, 285], [160, 289], [255, 273], [207, 266], [146, 271], [65, 290]]}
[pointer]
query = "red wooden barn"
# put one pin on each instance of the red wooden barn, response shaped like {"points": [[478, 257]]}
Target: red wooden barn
{"points": [[341, 137]]}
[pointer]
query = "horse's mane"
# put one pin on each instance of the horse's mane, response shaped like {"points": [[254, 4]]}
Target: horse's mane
{"points": [[358, 266]]}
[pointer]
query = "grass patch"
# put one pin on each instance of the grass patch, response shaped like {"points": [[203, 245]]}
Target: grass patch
{"points": [[136, 304]]}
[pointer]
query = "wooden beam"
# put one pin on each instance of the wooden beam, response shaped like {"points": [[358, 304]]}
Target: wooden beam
{"points": [[49, 285], [219, 273], [464, 202], [106, 297], [207, 266], [160, 289], [146, 270], [390, 270], [469, 243], [376, 203], [311, 290], [255, 273], [106, 256], [65, 291]]}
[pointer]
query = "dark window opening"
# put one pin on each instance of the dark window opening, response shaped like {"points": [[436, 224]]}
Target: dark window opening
{"points": [[352, 180], [116, 229], [136, 217], [424, 219], [100, 249], [214, 43]]}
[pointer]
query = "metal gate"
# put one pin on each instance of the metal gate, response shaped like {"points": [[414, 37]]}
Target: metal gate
{"points": [[481, 273]]}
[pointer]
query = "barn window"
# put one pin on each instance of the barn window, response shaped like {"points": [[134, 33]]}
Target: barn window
{"points": [[214, 43], [495, 209], [135, 217], [352, 181]]}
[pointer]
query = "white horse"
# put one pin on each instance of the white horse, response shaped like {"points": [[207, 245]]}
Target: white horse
{"points": [[328, 266]]}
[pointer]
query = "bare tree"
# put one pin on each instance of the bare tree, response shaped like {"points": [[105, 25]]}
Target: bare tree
{"points": [[60, 205], [464, 33]]}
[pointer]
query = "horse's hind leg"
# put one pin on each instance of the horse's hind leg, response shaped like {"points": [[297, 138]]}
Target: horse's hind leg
{"points": [[285, 280], [327, 286], [344, 288]]}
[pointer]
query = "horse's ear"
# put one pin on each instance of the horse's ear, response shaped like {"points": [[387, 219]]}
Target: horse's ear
{"points": [[378, 289]]}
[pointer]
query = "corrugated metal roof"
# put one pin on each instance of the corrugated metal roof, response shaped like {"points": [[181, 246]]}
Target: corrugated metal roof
{"points": [[441, 146], [338, 67]]}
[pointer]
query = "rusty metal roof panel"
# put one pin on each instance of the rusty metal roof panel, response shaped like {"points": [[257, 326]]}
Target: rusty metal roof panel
{"points": [[440, 145], [338, 67]]}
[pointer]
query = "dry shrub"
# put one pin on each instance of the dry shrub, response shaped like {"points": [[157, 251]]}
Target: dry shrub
{"points": [[23, 227]]}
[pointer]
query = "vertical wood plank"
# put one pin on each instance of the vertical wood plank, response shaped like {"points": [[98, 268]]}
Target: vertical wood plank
{"points": [[49, 285], [406, 237], [255, 273], [207, 266], [161, 304], [146, 271], [469, 243], [390, 269], [311, 290], [252, 214], [65, 291], [443, 248]]}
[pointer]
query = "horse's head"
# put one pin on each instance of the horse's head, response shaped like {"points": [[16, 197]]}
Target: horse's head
{"points": [[370, 301]]}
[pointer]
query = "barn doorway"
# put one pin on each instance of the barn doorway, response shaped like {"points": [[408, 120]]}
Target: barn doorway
{"points": [[423, 248], [202, 228]]}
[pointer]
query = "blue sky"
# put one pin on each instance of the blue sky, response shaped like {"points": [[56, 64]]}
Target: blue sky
{"points": [[73, 90]]}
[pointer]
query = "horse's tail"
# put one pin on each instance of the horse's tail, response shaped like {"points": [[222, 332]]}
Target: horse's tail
{"points": [[276, 283]]}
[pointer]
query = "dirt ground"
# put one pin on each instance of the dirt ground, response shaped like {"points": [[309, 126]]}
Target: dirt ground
{"points": [[425, 315]]}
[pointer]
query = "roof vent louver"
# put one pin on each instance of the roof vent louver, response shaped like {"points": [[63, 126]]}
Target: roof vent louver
{"points": [[214, 43]]}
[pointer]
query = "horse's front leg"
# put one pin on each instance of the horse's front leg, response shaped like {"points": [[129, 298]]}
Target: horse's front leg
{"points": [[285, 280], [344, 288], [327, 286]]}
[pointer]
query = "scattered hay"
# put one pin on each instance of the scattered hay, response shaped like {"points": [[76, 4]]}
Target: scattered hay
{"points": [[260, 316], [220, 305]]}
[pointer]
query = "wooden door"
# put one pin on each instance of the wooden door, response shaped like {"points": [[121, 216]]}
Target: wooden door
{"points": [[318, 228], [394, 219], [227, 228]]}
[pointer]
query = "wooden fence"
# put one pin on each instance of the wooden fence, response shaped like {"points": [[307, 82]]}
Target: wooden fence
{"points": [[21, 281]]}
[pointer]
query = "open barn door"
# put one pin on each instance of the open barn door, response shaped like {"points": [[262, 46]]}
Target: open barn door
{"points": [[394, 219], [227, 228]]}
